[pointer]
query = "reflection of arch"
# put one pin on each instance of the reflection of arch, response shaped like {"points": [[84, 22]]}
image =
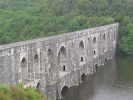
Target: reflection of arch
{"points": [[94, 40], [81, 51], [24, 70], [62, 58], [36, 66], [64, 90]]}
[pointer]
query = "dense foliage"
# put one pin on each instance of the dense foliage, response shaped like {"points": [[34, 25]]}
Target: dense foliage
{"points": [[27, 19], [19, 93]]}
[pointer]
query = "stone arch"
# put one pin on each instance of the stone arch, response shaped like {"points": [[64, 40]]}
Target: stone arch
{"points": [[64, 90], [36, 66], [62, 58], [24, 71], [94, 40], [38, 85], [81, 51]]}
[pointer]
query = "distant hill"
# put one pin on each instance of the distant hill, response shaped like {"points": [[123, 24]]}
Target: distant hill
{"points": [[28, 19]]}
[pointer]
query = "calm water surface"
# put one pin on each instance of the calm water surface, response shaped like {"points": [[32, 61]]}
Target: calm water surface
{"points": [[114, 81]]}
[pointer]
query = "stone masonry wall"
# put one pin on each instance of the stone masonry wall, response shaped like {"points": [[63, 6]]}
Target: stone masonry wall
{"points": [[49, 60]]}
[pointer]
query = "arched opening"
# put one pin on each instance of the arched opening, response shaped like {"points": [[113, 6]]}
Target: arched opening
{"points": [[38, 85], [23, 62], [94, 52], [36, 66], [81, 45], [36, 57], [62, 59], [104, 42], [82, 59], [24, 71], [94, 40], [64, 90], [81, 51], [64, 67], [104, 37], [83, 76], [49, 53]]}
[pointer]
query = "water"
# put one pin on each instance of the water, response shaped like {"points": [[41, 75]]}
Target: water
{"points": [[114, 81]]}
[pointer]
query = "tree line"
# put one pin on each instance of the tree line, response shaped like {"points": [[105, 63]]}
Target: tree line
{"points": [[27, 19]]}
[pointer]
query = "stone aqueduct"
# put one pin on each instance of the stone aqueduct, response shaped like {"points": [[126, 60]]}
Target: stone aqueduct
{"points": [[53, 62]]}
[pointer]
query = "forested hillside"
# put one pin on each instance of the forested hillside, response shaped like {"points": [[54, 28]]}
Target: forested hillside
{"points": [[27, 19]]}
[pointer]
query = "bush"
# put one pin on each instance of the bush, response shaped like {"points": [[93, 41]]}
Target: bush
{"points": [[18, 92], [4, 89], [33, 94]]}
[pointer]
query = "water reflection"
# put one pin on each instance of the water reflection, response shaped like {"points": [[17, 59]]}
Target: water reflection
{"points": [[114, 81], [83, 91]]}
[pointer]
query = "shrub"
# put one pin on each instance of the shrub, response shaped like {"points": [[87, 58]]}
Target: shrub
{"points": [[18, 92], [4, 89], [33, 94]]}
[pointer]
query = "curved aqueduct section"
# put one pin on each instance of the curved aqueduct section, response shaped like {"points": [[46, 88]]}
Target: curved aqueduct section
{"points": [[55, 63]]}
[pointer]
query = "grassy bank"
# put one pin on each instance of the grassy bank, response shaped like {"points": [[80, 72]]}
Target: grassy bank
{"points": [[18, 92]]}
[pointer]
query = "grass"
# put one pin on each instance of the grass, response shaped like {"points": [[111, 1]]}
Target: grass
{"points": [[18, 92]]}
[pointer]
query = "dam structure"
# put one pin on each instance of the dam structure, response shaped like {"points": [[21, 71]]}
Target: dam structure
{"points": [[55, 63]]}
